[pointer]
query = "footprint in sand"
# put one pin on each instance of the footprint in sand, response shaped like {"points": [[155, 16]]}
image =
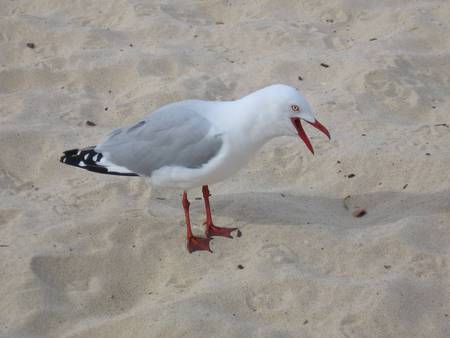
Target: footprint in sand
{"points": [[265, 299], [9, 215], [400, 93], [278, 254]]}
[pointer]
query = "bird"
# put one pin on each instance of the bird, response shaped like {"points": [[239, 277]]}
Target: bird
{"points": [[195, 143]]}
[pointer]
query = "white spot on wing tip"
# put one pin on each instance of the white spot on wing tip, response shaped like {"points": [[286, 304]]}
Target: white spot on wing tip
{"points": [[82, 164], [111, 167], [86, 157], [95, 158]]}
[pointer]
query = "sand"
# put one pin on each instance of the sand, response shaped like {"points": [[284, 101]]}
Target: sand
{"points": [[87, 255]]}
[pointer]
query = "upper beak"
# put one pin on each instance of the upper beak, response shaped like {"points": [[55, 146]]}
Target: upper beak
{"points": [[296, 121]]}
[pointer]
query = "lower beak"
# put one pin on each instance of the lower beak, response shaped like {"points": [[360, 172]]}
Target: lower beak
{"points": [[296, 121]]}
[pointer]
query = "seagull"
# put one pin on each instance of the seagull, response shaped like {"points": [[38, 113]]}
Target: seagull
{"points": [[196, 143]]}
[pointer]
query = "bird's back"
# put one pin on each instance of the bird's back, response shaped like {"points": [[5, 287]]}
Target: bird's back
{"points": [[174, 135]]}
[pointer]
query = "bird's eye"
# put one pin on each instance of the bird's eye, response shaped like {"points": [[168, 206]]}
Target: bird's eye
{"points": [[294, 107]]}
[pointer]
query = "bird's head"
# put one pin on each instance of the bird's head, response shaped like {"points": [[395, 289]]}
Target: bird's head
{"points": [[291, 108]]}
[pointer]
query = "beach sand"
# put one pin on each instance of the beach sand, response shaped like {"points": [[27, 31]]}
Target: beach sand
{"points": [[87, 255]]}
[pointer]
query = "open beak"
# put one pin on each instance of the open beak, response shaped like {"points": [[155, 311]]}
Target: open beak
{"points": [[296, 121]]}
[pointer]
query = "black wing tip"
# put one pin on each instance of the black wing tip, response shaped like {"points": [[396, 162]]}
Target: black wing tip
{"points": [[74, 156], [70, 157], [71, 152]]}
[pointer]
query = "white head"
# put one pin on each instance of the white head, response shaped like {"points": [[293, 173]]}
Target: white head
{"points": [[284, 108]]}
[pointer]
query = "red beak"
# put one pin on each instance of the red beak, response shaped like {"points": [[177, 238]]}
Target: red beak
{"points": [[301, 132]]}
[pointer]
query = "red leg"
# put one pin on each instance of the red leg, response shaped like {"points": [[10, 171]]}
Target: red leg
{"points": [[211, 229], [193, 243]]}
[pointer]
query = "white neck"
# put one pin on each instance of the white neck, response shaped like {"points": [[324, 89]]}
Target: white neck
{"points": [[258, 118], [249, 123]]}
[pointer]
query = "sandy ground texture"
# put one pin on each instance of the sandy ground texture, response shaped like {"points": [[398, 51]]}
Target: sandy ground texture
{"points": [[88, 255]]}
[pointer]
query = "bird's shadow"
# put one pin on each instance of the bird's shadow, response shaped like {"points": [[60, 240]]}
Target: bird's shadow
{"points": [[292, 209]]}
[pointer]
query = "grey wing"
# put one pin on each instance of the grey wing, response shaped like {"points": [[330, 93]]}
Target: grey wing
{"points": [[171, 136]]}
